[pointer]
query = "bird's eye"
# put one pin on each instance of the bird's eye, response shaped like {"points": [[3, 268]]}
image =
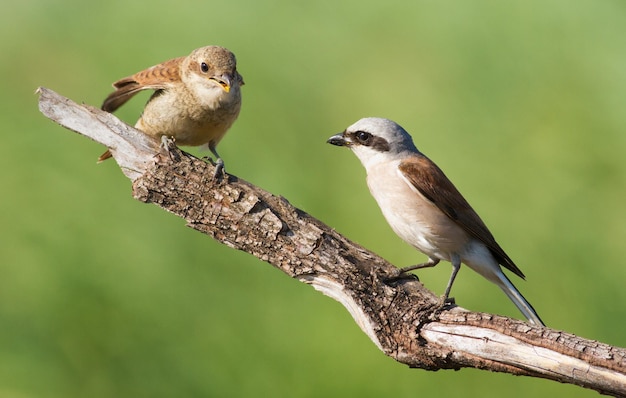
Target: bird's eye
{"points": [[363, 137], [204, 67]]}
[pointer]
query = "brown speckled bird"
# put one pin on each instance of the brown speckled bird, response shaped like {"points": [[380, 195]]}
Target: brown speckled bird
{"points": [[196, 100]]}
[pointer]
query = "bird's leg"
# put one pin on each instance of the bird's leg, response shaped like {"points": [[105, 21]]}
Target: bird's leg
{"points": [[399, 271], [456, 266], [430, 263], [168, 143], [219, 163]]}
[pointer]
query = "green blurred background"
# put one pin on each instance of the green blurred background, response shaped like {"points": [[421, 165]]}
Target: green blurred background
{"points": [[522, 103]]}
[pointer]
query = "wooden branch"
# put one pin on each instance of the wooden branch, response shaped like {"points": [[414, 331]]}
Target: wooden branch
{"points": [[401, 317]]}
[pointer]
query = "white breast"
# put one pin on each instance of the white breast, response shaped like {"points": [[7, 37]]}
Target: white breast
{"points": [[414, 218]]}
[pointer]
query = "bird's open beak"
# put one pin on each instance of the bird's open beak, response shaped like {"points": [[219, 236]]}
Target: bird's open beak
{"points": [[339, 140], [225, 80]]}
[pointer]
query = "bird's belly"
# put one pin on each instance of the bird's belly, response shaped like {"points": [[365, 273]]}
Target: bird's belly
{"points": [[419, 222], [189, 126], [193, 133], [428, 232], [185, 131]]}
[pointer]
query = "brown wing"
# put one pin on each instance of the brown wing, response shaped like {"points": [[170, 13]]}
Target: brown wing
{"points": [[157, 77], [431, 182]]}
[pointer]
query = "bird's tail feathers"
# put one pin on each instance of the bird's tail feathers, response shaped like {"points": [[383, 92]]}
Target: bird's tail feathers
{"points": [[516, 297]]}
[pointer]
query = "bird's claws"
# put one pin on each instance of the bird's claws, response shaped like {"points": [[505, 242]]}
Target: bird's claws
{"points": [[167, 142], [169, 145], [220, 172], [208, 159], [446, 301], [219, 169], [397, 274]]}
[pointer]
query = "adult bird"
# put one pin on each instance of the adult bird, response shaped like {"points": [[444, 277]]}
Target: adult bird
{"points": [[425, 209]]}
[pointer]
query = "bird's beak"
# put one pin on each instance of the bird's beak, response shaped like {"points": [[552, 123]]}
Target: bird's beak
{"points": [[225, 80], [339, 140]]}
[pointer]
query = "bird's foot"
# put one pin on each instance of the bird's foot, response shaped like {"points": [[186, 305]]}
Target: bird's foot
{"points": [[404, 271], [219, 172], [399, 273], [167, 142], [169, 145], [446, 301]]}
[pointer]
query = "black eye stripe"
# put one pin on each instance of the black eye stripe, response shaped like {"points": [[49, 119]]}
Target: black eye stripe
{"points": [[380, 144], [367, 139]]}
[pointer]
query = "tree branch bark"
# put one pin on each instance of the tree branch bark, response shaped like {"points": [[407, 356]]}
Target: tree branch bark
{"points": [[401, 317]]}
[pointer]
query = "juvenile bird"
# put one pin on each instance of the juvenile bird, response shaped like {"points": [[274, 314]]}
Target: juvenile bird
{"points": [[425, 209], [196, 99]]}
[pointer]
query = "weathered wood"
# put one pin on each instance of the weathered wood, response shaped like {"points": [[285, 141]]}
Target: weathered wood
{"points": [[401, 317]]}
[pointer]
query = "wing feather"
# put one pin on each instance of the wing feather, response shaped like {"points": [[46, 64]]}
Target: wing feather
{"points": [[433, 184], [158, 77]]}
